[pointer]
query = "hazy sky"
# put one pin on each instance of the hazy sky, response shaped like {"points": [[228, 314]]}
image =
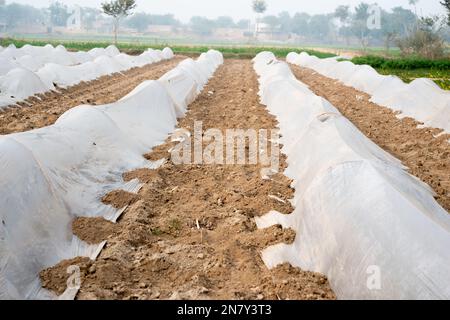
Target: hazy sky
{"points": [[184, 9]]}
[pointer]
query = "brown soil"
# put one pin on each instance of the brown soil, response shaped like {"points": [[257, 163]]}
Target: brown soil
{"points": [[120, 199], [427, 157], [160, 152], [57, 277], [37, 113], [143, 175], [192, 234], [93, 230]]}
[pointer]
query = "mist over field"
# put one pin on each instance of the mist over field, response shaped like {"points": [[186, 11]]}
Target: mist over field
{"points": [[238, 9], [285, 22]]}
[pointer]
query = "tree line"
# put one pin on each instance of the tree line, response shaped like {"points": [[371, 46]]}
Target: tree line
{"points": [[345, 25]]}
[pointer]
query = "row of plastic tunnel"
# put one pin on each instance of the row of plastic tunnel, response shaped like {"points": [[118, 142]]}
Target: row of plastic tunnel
{"points": [[53, 174], [361, 218], [33, 70]]}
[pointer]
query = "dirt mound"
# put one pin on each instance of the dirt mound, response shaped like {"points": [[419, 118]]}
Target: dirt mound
{"points": [[93, 230], [55, 279], [120, 199]]}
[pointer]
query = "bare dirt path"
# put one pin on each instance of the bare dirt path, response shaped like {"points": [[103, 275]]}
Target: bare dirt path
{"points": [[37, 113], [427, 157], [190, 233]]}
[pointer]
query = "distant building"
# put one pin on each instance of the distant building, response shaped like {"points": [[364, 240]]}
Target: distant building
{"points": [[266, 32], [229, 33], [155, 29]]}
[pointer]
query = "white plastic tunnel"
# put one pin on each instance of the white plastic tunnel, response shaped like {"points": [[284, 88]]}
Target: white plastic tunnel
{"points": [[54, 174], [376, 231], [422, 99]]}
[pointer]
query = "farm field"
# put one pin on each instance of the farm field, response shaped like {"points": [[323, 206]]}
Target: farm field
{"points": [[409, 69], [48, 107], [177, 260], [181, 247], [97, 157], [440, 77], [224, 159]]}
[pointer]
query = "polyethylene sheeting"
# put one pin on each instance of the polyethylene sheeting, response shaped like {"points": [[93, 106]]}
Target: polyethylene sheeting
{"points": [[43, 67], [373, 229], [421, 99], [167, 53], [7, 65], [20, 83], [109, 51], [182, 88], [53, 174], [188, 79]]}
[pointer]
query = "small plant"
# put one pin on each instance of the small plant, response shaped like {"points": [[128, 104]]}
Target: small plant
{"points": [[156, 231], [175, 225]]}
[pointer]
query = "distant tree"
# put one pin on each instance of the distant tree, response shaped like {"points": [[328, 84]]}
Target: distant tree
{"points": [[359, 24], [15, 15], [118, 9], [343, 14], [300, 24], [396, 24], [403, 20], [272, 21], [259, 7], [319, 26], [164, 20], [285, 22], [224, 22], [202, 25], [139, 21], [2, 13], [58, 14], [414, 3], [446, 4], [89, 16], [243, 24]]}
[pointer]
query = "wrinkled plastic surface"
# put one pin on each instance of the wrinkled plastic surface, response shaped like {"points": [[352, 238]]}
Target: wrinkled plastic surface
{"points": [[422, 99], [56, 173], [32, 70], [358, 213]]}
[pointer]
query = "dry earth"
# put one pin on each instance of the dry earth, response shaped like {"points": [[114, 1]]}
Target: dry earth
{"points": [[45, 110], [427, 156], [190, 232]]}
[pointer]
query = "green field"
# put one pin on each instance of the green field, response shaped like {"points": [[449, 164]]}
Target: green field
{"points": [[440, 77], [410, 68]]}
